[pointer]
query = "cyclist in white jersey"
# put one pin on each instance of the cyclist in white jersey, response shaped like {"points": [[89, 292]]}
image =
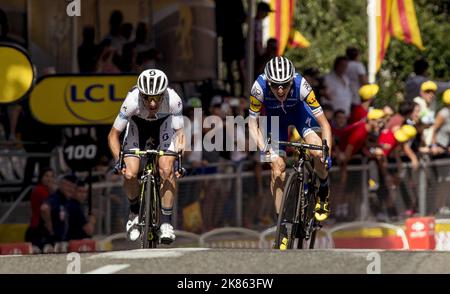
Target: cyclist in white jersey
{"points": [[151, 116]]}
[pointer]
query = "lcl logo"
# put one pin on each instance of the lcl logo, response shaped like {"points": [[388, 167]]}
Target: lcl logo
{"points": [[94, 93]]}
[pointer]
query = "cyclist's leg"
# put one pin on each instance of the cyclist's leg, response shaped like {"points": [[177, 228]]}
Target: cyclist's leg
{"points": [[167, 141], [278, 163], [308, 127], [132, 162], [131, 184]]}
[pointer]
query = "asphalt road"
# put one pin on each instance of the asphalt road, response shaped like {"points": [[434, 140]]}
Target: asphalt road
{"points": [[231, 261]]}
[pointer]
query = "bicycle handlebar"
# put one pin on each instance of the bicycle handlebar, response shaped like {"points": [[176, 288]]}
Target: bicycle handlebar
{"points": [[152, 152], [323, 148]]}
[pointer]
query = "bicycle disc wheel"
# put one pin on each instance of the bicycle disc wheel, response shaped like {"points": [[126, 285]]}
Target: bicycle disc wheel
{"points": [[286, 227]]}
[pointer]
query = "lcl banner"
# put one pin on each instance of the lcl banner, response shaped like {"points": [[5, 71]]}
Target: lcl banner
{"points": [[80, 100]]}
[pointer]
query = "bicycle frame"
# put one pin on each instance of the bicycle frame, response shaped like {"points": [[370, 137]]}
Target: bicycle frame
{"points": [[150, 208], [304, 224]]}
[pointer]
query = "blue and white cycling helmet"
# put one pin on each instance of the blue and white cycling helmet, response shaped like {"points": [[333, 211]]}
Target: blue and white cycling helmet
{"points": [[279, 70]]}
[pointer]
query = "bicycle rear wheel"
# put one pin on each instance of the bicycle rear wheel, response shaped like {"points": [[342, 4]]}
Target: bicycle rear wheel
{"points": [[286, 226]]}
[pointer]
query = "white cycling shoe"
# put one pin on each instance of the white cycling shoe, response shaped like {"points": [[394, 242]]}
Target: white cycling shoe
{"points": [[132, 227], [166, 233]]}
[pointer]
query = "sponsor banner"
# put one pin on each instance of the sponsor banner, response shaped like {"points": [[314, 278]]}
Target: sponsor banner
{"points": [[80, 100], [16, 73]]}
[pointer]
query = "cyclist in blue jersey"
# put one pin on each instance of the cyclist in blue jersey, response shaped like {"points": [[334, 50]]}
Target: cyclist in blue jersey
{"points": [[283, 93]]}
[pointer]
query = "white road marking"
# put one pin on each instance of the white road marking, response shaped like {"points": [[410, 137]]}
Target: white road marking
{"points": [[147, 253], [109, 269]]}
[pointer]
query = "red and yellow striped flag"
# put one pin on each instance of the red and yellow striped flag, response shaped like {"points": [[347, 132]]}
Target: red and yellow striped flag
{"points": [[297, 40], [280, 25], [404, 25], [383, 22], [396, 18]]}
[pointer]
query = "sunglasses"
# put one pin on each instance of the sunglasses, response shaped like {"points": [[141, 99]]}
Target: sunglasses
{"points": [[149, 98], [283, 85]]}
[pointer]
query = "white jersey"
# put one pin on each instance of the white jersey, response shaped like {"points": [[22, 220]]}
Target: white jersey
{"points": [[171, 106]]}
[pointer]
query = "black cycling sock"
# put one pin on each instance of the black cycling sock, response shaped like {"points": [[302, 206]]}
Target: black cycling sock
{"points": [[134, 205], [323, 182], [323, 189], [166, 215]]}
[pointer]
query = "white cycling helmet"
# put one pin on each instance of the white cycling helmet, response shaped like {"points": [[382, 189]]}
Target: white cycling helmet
{"points": [[152, 82], [279, 70]]}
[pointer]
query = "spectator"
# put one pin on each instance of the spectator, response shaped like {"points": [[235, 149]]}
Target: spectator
{"points": [[339, 119], [367, 94], [338, 86], [420, 75], [270, 52], [141, 39], [105, 62], [79, 227], [441, 128], [230, 15], [148, 59], [115, 23], [39, 138], [352, 139], [311, 75], [45, 186], [126, 30], [356, 73], [194, 156], [328, 112], [408, 114], [54, 218], [4, 28], [425, 101], [262, 55], [262, 11], [88, 51], [129, 58]]}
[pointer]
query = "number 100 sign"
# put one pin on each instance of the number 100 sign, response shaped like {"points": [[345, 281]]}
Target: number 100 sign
{"points": [[80, 153]]}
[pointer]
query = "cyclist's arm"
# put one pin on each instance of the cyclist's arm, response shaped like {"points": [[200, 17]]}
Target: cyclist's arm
{"points": [[310, 100], [127, 110], [256, 105], [114, 142], [256, 133], [180, 141]]}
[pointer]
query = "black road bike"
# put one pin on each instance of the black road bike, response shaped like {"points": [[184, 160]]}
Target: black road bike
{"points": [[150, 201], [296, 225]]}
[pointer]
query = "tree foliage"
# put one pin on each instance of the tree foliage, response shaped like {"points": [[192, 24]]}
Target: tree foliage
{"points": [[333, 25]]}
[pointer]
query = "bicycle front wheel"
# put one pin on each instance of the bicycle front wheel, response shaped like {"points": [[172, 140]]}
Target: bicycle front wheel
{"points": [[155, 210], [286, 226], [147, 233]]}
